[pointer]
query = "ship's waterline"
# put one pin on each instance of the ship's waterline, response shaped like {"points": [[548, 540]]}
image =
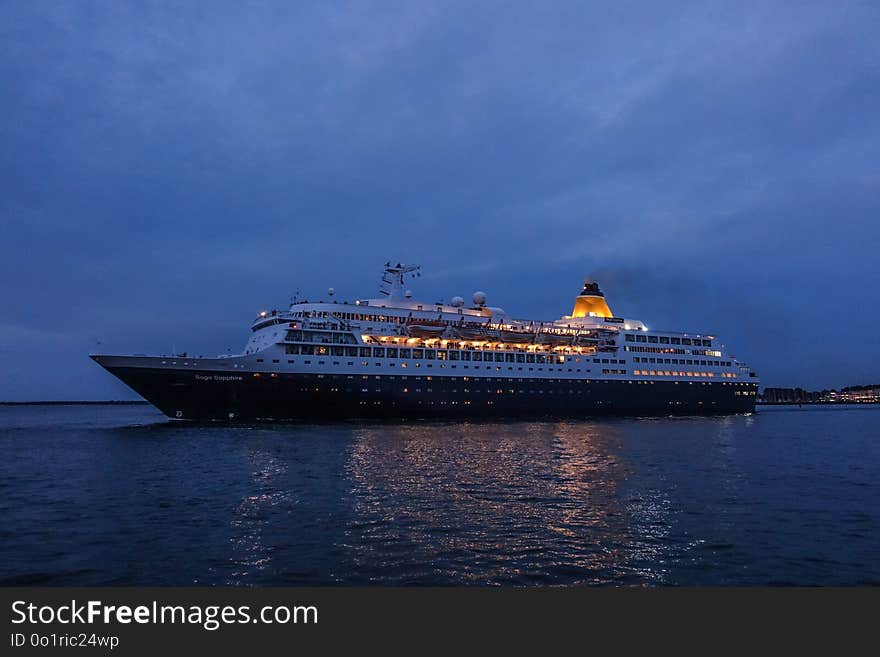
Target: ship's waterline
{"points": [[395, 356]]}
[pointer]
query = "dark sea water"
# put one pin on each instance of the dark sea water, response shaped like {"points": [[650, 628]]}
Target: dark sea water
{"points": [[117, 495]]}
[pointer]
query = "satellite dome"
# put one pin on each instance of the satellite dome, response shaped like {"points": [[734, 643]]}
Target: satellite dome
{"points": [[457, 302], [331, 292], [408, 294], [479, 298]]}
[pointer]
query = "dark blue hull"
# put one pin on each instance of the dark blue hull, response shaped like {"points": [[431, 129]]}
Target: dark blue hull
{"points": [[209, 395]]}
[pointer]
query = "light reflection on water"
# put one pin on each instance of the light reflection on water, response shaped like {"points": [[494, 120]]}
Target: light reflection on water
{"points": [[250, 553], [482, 503], [119, 496]]}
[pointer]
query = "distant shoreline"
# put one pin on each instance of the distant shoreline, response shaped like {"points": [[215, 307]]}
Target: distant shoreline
{"points": [[819, 403], [105, 402], [124, 402]]}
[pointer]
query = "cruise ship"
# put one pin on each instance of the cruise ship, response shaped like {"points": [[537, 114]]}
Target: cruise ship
{"points": [[395, 356]]}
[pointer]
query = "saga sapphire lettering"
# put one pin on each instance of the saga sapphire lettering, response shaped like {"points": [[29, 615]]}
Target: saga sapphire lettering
{"points": [[395, 356]]}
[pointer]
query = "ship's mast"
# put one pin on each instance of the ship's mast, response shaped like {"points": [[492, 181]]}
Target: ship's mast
{"points": [[393, 279]]}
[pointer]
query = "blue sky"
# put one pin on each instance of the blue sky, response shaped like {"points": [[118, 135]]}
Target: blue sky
{"points": [[169, 169]]}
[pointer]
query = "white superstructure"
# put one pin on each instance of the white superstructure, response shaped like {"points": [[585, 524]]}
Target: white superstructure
{"points": [[396, 334]]}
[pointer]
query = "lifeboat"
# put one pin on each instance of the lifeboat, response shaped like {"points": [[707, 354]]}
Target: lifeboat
{"points": [[424, 328], [517, 336], [470, 332], [554, 339], [588, 339]]}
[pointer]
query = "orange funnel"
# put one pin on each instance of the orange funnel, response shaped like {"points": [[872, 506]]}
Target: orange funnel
{"points": [[591, 301]]}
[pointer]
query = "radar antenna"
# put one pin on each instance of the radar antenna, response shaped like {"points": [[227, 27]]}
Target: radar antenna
{"points": [[394, 277]]}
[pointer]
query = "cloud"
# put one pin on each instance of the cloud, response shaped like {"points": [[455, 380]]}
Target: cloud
{"points": [[714, 161]]}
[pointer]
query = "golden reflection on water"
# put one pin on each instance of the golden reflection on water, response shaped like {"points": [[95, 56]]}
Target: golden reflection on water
{"points": [[490, 502], [250, 552]]}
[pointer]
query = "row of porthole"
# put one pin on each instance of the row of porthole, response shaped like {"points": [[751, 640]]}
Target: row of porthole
{"points": [[257, 375], [497, 392]]}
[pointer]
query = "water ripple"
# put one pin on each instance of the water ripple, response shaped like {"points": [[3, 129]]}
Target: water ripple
{"points": [[116, 495]]}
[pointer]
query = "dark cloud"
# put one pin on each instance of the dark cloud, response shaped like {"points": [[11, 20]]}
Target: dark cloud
{"points": [[167, 171]]}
